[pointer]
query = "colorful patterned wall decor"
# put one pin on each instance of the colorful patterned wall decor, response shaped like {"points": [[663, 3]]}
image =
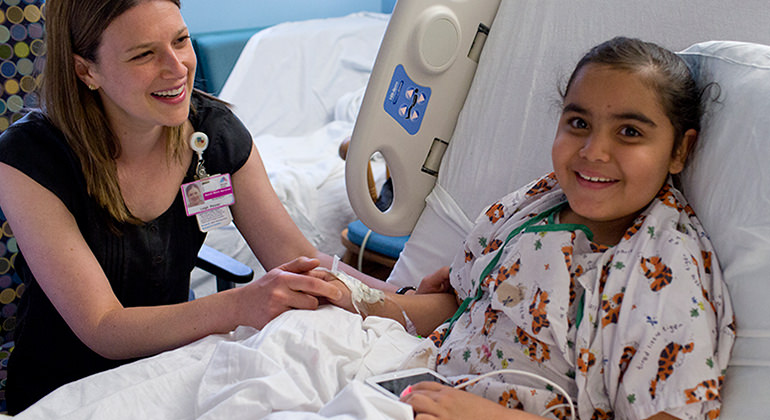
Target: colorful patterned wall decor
{"points": [[21, 57]]}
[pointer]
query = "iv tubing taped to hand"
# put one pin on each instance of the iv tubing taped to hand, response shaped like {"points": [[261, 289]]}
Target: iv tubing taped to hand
{"points": [[363, 296]]}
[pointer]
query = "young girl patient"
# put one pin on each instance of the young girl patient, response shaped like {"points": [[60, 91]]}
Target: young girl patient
{"points": [[597, 277]]}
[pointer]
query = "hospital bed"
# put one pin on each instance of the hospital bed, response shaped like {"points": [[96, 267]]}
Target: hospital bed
{"points": [[501, 140], [297, 87]]}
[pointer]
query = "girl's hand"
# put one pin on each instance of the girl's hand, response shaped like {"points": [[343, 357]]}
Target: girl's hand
{"points": [[431, 400], [345, 301], [437, 282]]}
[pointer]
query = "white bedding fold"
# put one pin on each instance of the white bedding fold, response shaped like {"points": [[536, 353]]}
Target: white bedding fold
{"points": [[304, 364], [299, 363]]}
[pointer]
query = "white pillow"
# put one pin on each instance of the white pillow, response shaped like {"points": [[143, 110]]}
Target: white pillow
{"points": [[727, 184], [289, 77]]}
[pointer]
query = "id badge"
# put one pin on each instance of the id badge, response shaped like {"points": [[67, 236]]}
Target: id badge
{"points": [[208, 200], [214, 219]]}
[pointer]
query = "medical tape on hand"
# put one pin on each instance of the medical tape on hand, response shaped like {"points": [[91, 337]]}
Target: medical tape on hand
{"points": [[362, 295]]}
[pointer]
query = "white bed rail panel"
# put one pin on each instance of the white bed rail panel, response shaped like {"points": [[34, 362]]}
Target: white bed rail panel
{"points": [[421, 77]]}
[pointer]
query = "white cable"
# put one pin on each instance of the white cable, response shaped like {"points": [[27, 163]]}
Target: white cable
{"points": [[530, 375], [361, 251]]}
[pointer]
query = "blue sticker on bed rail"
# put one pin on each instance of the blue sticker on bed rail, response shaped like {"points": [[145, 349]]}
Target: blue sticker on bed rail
{"points": [[406, 101]]}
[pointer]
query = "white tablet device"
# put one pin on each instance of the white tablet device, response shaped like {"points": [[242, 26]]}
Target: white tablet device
{"points": [[393, 383]]}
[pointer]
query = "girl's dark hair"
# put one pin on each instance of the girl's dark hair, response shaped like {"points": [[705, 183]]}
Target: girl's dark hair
{"points": [[665, 71]]}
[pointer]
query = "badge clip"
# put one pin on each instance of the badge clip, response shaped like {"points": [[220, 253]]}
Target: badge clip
{"points": [[208, 197], [199, 142]]}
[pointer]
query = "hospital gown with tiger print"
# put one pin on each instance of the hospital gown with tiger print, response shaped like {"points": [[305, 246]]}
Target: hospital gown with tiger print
{"points": [[631, 330]]}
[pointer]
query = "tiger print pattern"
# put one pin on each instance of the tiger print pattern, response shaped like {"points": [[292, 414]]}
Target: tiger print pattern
{"points": [[634, 228], [437, 337], [501, 275], [586, 360], [509, 399], [666, 196], [536, 350], [561, 413], [625, 360], [495, 212], [611, 309], [538, 311], [490, 319], [706, 255], [492, 246], [600, 414], [545, 184], [666, 363], [444, 359], [705, 391], [660, 274], [605, 274]]}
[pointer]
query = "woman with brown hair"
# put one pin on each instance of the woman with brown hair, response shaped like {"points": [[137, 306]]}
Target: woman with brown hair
{"points": [[92, 187]]}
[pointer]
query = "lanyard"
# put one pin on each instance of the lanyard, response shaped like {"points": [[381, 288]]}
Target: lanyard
{"points": [[526, 227]]}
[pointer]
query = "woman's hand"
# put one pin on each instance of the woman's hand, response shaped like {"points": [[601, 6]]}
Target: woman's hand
{"points": [[431, 400], [293, 285], [437, 282]]}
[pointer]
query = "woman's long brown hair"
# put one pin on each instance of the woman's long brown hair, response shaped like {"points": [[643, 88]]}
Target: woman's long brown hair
{"points": [[76, 27]]}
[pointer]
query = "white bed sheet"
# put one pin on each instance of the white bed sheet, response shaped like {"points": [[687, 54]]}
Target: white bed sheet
{"points": [[176, 378], [297, 367], [297, 87]]}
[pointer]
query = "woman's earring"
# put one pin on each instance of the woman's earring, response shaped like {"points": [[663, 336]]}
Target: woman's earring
{"points": [[92, 87]]}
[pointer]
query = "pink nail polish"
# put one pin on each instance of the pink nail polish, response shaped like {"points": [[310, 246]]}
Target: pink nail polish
{"points": [[406, 391]]}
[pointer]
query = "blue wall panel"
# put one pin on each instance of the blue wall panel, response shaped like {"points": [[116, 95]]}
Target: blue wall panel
{"points": [[223, 15], [387, 5]]}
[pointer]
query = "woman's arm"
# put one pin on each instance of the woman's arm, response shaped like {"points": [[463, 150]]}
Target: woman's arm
{"points": [[71, 277], [267, 227]]}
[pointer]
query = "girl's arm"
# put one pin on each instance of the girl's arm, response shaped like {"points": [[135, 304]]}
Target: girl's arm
{"points": [[425, 311], [431, 400]]}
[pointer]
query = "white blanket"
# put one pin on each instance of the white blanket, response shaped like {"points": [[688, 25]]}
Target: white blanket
{"points": [[302, 365]]}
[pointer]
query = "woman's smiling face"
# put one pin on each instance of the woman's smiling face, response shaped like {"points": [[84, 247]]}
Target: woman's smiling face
{"points": [[145, 67], [613, 148]]}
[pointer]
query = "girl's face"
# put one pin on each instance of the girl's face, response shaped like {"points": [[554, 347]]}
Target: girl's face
{"points": [[145, 68], [613, 149]]}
